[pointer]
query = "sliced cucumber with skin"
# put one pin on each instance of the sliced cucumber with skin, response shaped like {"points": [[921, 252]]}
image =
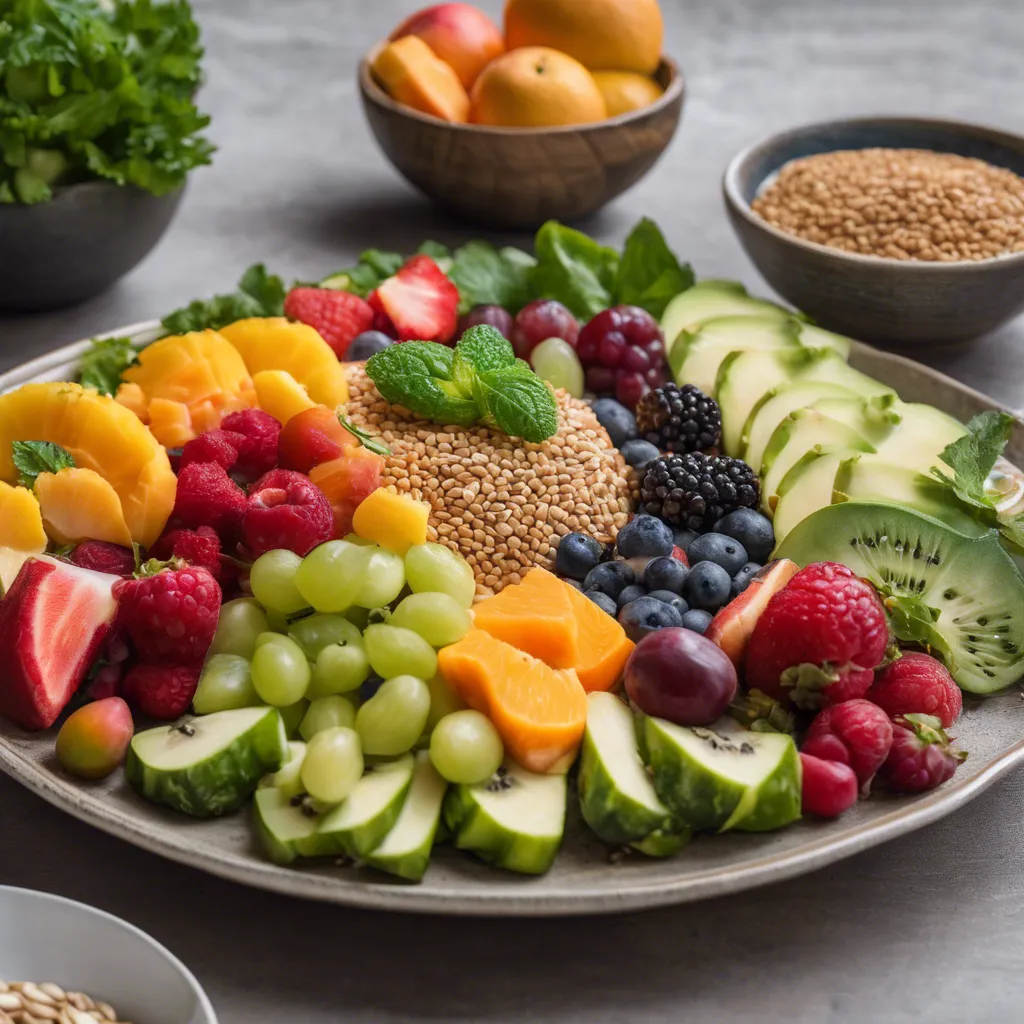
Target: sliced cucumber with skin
{"points": [[359, 824], [288, 778], [664, 844], [287, 827], [207, 766], [709, 300], [812, 336], [515, 820], [405, 850]]}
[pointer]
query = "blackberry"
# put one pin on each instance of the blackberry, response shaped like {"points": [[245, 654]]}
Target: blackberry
{"points": [[679, 419], [692, 491]]}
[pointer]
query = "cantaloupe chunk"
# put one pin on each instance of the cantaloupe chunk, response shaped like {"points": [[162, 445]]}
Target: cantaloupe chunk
{"points": [[604, 646], [395, 521], [281, 395], [21, 522], [78, 504], [413, 74], [539, 712], [170, 423]]}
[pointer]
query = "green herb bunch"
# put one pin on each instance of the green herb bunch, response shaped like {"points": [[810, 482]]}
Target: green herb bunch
{"points": [[98, 89]]}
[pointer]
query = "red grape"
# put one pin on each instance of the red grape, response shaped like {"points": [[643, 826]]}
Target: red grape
{"points": [[623, 351], [493, 316], [680, 676], [540, 320]]}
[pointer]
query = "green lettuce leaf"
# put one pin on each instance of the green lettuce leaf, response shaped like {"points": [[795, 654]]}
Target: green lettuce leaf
{"points": [[259, 294], [101, 367], [574, 269], [649, 273], [488, 276]]}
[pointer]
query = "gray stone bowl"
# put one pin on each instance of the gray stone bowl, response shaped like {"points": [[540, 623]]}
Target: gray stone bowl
{"points": [[77, 245], [888, 302]]}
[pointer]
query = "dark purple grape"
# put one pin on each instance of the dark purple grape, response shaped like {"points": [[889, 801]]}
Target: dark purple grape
{"points": [[491, 316]]}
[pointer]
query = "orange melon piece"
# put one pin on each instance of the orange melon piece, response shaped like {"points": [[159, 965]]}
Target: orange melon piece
{"points": [[78, 504], [534, 616], [171, 423], [394, 521], [21, 522], [415, 76], [131, 396], [604, 646], [281, 395], [539, 712]]}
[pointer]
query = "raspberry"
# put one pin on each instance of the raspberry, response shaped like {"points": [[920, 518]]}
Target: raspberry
{"points": [[337, 316], [286, 510], [171, 615], [917, 684], [103, 557], [829, 788], [106, 682], [854, 733], [197, 547], [257, 450], [219, 446], [921, 757], [207, 496], [819, 640], [161, 691]]}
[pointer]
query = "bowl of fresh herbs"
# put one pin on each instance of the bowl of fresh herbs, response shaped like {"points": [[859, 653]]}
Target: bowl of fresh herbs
{"points": [[98, 132]]}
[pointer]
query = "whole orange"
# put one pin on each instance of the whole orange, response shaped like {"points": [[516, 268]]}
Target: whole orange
{"points": [[603, 35], [536, 87], [624, 91]]}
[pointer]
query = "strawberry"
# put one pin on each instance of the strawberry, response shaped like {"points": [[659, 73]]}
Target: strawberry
{"points": [[420, 301], [337, 316], [286, 510], [922, 756], [855, 733], [162, 691], [917, 684], [100, 556], [819, 640], [381, 321]]}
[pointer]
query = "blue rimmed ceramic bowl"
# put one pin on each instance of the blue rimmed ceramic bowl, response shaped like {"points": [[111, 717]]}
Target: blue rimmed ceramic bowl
{"points": [[889, 302]]}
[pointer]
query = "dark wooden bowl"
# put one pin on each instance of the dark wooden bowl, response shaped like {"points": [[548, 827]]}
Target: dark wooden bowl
{"points": [[521, 177]]}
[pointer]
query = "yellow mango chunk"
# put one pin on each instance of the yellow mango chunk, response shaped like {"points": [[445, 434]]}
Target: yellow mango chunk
{"points": [[21, 522], [171, 423], [281, 395], [395, 521], [78, 504]]}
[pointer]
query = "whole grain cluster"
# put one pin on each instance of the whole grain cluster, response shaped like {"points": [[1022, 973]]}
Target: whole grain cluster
{"points": [[24, 1002], [903, 204]]}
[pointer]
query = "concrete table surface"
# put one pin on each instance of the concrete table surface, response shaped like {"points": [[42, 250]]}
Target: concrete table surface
{"points": [[928, 927]]}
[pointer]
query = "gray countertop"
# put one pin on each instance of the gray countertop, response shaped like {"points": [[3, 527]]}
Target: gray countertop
{"points": [[928, 927]]}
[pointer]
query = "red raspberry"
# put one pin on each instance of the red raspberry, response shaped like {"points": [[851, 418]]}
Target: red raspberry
{"points": [[171, 616], [855, 733], [207, 496], [917, 684], [103, 557], [921, 757], [257, 450], [106, 682], [219, 446], [829, 788], [197, 547], [337, 316], [819, 640], [161, 691], [286, 510]]}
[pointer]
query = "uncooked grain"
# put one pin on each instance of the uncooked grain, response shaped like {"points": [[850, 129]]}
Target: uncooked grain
{"points": [[25, 1002]]}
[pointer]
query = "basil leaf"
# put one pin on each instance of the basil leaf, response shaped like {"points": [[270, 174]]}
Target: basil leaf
{"points": [[34, 457], [435, 250], [417, 375], [101, 367], [574, 269], [265, 288], [518, 403], [488, 276], [649, 274]]}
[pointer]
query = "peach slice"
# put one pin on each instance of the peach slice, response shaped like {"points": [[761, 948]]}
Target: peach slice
{"points": [[413, 74]]}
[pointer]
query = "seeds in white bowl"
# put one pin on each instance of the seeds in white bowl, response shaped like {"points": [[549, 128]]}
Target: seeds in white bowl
{"points": [[26, 1002]]}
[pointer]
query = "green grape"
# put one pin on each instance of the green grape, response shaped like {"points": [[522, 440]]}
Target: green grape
{"points": [[288, 778], [240, 622], [333, 765], [359, 617], [327, 713], [340, 668], [280, 671], [292, 716], [226, 683], [392, 720], [394, 652], [443, 701], [465, 747], [272, 578], [354, 538], [330, 576], [437, 617], [555, 361], [316, 632], [433, 567], [265, 638], [383, 580]]}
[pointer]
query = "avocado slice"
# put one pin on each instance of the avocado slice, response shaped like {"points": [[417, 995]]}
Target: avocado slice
{"points": [[708, 300], [923, 434], [812, 336], [807, 486]]}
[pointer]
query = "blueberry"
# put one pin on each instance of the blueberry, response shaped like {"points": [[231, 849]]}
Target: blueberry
{"points": [[370, 686], [367, 344], [638, 453], [666, 573], [610, 578], [697, 620], [668, 597], [616, 419], [603, 601], [575, 584], [742, 579], [630, 594], [707, 586], [647, 615], [645, 536], [752, 530], [716, 547], [683, 539], [577, 555]]}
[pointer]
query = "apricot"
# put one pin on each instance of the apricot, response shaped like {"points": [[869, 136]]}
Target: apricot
{"points": [[93, 742], [78, 504], [624, 91], [411, 73]]}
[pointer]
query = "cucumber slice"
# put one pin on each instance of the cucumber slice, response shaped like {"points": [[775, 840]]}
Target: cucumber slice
{"points": [[288, 778], [405, 850], [617, 797], [515, 820], [725, 777], [207, 766], [360, 823], [664, 844], [287, 827], [708, 300]]}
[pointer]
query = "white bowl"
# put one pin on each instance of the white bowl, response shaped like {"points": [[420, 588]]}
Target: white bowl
{"points": [[48, 938]]}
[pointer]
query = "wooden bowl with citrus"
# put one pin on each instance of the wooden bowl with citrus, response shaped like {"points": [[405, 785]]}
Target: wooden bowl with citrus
{"points": [[553, 117]]}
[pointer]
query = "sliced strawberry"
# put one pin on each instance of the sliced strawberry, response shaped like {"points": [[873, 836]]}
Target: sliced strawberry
{"points": [[53, 622], [337, 316], [381, 321], [420, 301]]}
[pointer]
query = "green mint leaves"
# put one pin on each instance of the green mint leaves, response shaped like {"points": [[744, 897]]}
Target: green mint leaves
{"points": [[368, 441], [101, 367], [34, 457], [259, 294], [479, 381]]}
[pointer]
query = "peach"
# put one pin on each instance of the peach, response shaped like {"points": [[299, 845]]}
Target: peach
{"points": [[93, 742], [413, 74]]}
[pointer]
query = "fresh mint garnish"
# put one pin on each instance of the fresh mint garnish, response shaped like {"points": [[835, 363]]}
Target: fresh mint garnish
{"points": [[34, 457], [972, 457], [480, 350], [519, 403], [574, 269], [649, 273], [259, 294], [418, 375], [101, 367], [368, 441]]}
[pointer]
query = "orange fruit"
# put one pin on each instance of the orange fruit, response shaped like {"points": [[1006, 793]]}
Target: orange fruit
{"points": [[536, 87], [604, 646], [603, 35], [412, 74], [624, 91]]}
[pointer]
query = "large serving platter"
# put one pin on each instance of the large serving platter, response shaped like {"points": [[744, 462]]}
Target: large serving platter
{"points": [[584, 879]]}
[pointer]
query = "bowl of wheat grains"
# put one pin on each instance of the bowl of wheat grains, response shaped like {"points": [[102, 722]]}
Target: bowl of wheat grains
{"points": [[898, 231]]}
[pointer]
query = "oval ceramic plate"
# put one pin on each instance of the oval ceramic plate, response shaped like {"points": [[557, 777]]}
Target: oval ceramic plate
{"points": [[583, 880]]}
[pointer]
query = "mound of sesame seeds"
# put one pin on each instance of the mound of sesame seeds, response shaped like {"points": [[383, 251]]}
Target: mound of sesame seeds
{"points": [[904, 204], [500, 502]]}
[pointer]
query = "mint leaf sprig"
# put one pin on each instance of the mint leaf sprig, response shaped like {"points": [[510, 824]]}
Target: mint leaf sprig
{"points": [[34, 457], [480, 381]]}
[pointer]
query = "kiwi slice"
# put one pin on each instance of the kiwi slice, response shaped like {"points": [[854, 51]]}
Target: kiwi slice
{"points": [[960, 596]]}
